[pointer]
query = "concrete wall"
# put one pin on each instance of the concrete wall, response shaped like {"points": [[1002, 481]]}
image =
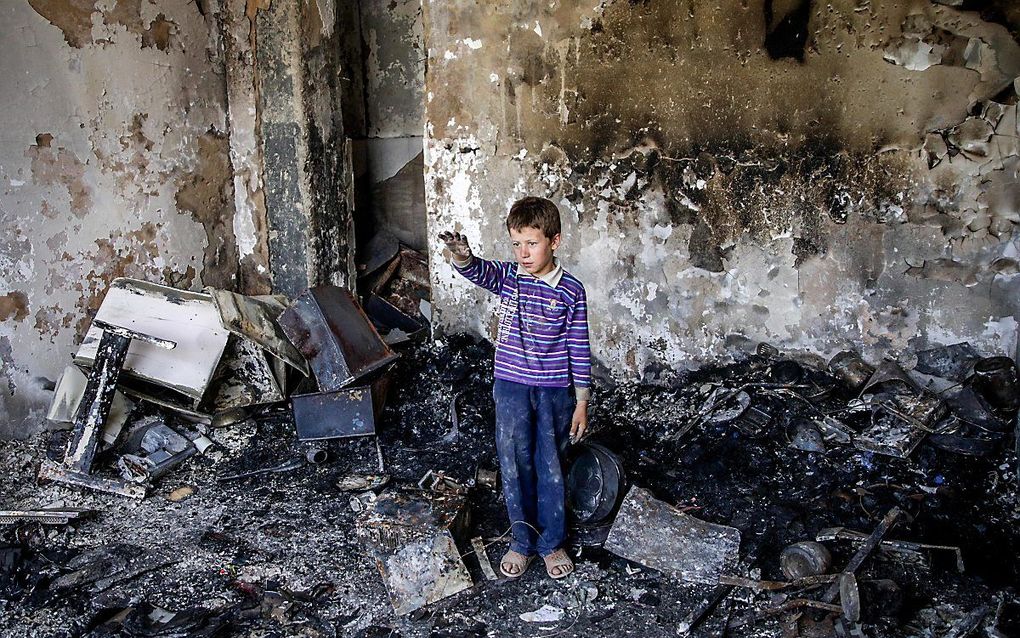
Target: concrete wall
{"points": [[113, 162], [386, 98], [810, 174], [190, 143]]}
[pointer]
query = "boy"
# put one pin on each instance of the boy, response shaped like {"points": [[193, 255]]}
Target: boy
{"points": [[542, 350]]}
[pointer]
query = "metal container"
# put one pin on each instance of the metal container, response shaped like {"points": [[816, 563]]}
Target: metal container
{"points": [[786, 371], [332, 415], [805, 558], [767, 350], [333, 333], [995, 379], [595, 485], [851, 369]]}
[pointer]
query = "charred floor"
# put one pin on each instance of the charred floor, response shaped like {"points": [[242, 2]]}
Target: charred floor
{"points": [[279, 553]]}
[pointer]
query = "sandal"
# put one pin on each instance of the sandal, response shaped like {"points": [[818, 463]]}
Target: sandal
{"points": [[560, 562], [515, 559]]}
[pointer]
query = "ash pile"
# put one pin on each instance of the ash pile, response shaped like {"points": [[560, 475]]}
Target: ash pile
{"points": [[262, 466]]}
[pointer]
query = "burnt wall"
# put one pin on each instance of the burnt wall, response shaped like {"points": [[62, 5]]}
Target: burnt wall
{"points": [[307, 181], [114, 161], [814, 175]]}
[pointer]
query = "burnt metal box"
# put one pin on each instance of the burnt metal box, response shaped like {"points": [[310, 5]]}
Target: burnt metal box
{"points": [[342, 413], [333, 333]]}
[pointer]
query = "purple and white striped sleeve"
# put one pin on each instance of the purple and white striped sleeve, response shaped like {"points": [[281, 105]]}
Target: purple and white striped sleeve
{"points": [[579, 347], [484, 273]]}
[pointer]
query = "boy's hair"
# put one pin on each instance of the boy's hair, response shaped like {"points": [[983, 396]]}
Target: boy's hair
{"points": [[534, 212]]}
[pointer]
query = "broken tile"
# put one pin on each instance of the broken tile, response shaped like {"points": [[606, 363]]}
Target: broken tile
{"points": [[545, 613]]}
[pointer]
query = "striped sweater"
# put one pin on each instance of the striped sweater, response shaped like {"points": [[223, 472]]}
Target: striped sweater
{"points": [[543, 325]]}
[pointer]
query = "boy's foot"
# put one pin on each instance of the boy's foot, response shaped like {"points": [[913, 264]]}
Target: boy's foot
{"points": [[514, 564], [558, 564]]}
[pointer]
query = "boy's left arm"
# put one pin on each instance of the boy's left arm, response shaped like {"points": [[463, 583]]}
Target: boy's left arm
{"points": [[579, 356]]}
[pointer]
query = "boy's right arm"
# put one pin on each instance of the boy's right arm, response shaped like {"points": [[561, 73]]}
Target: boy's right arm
{"points": [[481, 272]]}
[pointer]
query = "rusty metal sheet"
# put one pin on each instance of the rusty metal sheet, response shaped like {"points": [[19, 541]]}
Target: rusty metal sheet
{"points": [[412, 540], [189, 319], [411, 285], [342, 413], [333, 333], [255, 318], [386, 316], [377, 252], [953, 362], [657, 535]]}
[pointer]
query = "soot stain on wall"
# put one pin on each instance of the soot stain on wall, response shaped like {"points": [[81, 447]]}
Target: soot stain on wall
{"points": [[750, 170]]}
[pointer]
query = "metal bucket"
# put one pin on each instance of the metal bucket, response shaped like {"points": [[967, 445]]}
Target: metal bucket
{"points": [[851, 369], [595, 485], [803, 559], [995, 379]]}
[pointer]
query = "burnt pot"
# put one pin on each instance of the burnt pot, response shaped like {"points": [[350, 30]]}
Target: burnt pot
{"points": [[995, 379], [595, 485], [850, 369]]}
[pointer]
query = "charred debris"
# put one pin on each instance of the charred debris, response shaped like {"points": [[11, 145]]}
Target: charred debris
{"points": [[320, 466]]}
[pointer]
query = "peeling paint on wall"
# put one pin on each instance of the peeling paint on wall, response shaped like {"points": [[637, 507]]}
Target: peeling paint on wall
{"points": [[249, 224], [207, 193], [113, 165], [736, 172], [59, 166], [13, 306], [74, 19]]}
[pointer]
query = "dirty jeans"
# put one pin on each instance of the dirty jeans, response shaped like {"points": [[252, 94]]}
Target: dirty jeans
{"points": [[532, 433]]}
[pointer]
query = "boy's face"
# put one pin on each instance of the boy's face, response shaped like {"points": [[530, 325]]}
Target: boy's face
{"points": [[533, 250]]}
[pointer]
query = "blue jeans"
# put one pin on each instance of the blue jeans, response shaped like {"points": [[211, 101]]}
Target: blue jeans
{"points": [[532, 433]]}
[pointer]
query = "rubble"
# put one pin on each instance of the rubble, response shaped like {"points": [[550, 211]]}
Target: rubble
{"points": [[232, 541]]}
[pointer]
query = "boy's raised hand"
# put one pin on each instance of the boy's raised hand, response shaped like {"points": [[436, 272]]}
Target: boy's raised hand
{"points": [[457, 244]]}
